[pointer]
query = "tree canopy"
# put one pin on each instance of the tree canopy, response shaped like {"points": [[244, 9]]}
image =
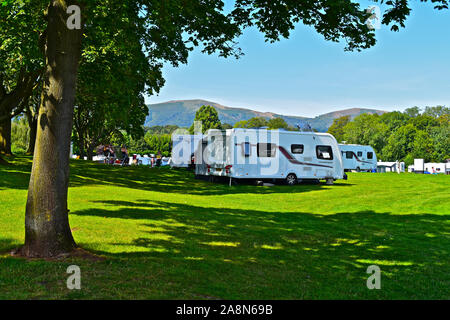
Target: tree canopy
{"points": [[403, 136], [337, 128], [260, 122], [208, 117], [113, 75], [21, 60]]}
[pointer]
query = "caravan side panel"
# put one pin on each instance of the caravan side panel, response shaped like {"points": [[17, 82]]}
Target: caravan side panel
{"points": [[273, 154]]}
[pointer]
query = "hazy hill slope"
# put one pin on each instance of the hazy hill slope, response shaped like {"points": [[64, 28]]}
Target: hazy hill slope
{"points": [[182, 113]]}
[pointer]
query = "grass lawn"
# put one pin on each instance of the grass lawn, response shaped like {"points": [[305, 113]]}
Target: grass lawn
{"points": [[165, 235]]}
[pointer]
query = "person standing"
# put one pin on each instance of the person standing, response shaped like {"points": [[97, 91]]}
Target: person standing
{"points": [[105, 153], [158, 159], [125, 157]]}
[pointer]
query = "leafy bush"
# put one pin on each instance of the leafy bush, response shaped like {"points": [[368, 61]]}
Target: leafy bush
{"points": [[20, 135]]}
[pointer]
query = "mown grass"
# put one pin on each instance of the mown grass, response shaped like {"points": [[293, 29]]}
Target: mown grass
{"points": [[166, 235]]}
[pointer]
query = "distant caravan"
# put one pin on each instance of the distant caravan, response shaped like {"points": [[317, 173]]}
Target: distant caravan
{"points": [[357, 157], [269, 155]]}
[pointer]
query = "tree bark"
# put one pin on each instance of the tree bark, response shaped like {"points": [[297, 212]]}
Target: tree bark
{"points": [[82, 151], [90, 152], [80, 145], [5, 136], [33, 132], [32, 123], [47, 230]]}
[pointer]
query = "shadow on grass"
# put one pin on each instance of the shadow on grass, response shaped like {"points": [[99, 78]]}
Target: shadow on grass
{"points": [[16, 175], [298, 240], [7, 245], [169, 180], [255, 254], [164, 179], [290, 254]]}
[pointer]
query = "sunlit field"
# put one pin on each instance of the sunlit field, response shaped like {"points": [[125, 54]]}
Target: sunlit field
{"points": [[164, 235]]}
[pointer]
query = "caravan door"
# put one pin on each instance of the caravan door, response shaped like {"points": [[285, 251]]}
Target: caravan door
{"points": [[325, 157]]}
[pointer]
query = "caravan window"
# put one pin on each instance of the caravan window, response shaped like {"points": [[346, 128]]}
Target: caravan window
{"points": [[266, 149], [359, 153], [297, 148], [369, 155], [324, 152], [247, 149], [349, 155]]}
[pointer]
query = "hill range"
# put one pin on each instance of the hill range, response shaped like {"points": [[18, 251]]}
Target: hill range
{"points": [[182, 114]]}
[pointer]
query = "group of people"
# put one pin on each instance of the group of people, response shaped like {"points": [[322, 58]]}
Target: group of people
{"points": [[108, 151], [111, 157], [153, 161]]}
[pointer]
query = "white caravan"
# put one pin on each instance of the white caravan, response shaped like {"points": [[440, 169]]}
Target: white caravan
{"points": [[390, 166], [183, 148], [430, 167], [419, 165], [433, 167], [358, 157], [263, 154]]}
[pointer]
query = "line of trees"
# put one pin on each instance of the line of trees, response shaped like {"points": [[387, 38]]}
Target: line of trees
{"points": [[402, 136], [259, 122], [151, 142], [209, 118]]}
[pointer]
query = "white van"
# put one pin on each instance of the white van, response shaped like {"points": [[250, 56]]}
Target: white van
{"points": [[269, 155], [358, 157]]}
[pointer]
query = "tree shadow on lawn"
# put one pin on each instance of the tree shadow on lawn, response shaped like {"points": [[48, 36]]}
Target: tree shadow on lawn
{"points": [[169, 180], [232, 244], [7, 245], [164, 179], [17, 174]]}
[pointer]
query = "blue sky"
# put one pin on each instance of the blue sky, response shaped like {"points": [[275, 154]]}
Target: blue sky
{"points": [[307, 76]]}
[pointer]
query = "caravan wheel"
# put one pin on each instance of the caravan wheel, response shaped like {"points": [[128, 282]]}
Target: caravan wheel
{"points": [[291, 179], [358, 169]]}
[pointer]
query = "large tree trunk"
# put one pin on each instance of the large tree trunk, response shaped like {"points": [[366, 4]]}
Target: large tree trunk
{"points": [[81, 149], [90, 152], [47, 231], [5, 136], [83, 153]]}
